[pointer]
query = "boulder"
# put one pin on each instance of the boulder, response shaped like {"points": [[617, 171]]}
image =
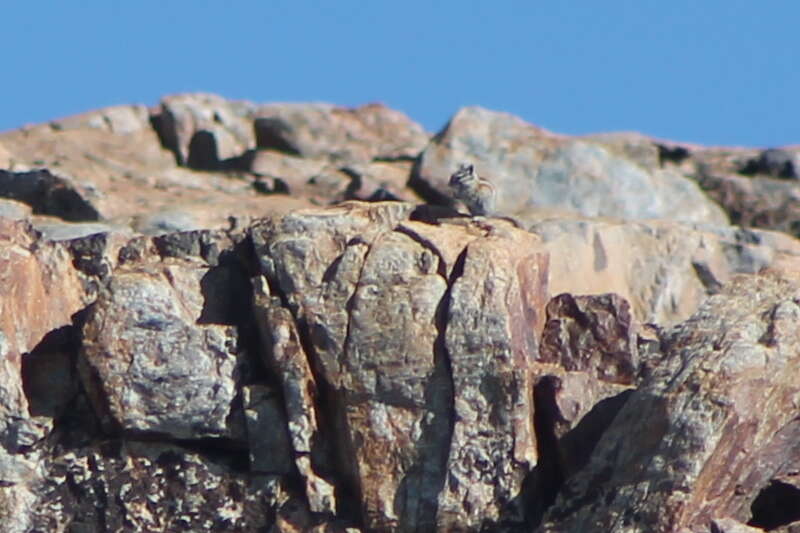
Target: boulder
{"points": [[161, 352], [533, 168], [358, 135], [712, 422], [757, 201], [203, 130], [752, 186], [776, 162], [102, 166], [47, 194]]}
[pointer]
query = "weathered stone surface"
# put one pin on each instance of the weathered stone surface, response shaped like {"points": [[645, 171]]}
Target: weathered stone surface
{"points": [[757, 201], [751, 185], [202, 130], [326, 182], [532, 168], [5, 158], [150, 487], [705, 422], [664, 269], [270, 449], [159, 358], [381, 180], [47, 194], [356, 135], [284, 355], [413, 370], [14, 210], [115, 162], [592, 334], [41, 290], [118, 120], [584, 373], [729, 525], [776, 162], [493, 320], [316, 179], [391, 307]]}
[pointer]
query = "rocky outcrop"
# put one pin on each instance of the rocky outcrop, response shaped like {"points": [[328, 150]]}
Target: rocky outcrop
{"points": [[204, 130], [161, 349], [360, 135], [188, 342], [390, 307], [708, 424], [756, 188], [533, 168], [663, 268]]}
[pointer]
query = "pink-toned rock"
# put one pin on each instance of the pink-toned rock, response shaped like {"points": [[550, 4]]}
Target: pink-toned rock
{"points": [[5, 157], [40, 292], [704, 435], [729, 525], [202, 130], [390, 307], [664, 269], [592, 334], [117, 120], [114, 162], [356, 135]]}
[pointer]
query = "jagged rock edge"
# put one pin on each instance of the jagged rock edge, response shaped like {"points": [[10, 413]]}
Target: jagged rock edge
{"points": [[344, 481]]}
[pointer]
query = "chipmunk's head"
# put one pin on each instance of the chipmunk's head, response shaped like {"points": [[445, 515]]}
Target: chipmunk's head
{"points": [[465, 171]]}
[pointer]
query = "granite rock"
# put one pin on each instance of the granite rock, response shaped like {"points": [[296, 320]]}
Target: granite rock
{"points": [[533, 168]]}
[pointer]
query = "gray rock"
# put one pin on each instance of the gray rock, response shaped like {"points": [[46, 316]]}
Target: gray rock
{"points": [[286, 358], [388, 311], [65, 231], [270, 449], [151, 487], [774, 162], [14, 210], [150, 366], [532, 168], [164, 222]]}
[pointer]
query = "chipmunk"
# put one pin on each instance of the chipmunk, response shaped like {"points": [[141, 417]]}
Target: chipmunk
{"points": [[476, 193]]}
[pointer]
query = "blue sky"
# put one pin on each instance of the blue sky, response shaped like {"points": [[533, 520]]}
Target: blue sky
{"points": [[708, 71]]}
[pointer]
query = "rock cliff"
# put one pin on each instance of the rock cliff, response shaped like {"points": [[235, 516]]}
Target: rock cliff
{"points": [[226, 316]]}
